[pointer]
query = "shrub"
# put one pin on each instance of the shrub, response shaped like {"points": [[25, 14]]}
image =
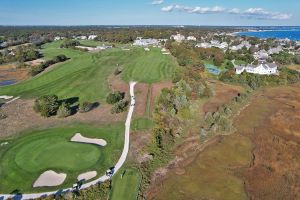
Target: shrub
{"points": [[46, 105], [117, 71], [119, 107], [64, 110], [85, 107], [114, 97]]}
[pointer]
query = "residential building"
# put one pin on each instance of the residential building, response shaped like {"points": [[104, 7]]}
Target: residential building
{"points": [[92, 37], [263, 68], [178, 37], [146, 42], [191, 38]]}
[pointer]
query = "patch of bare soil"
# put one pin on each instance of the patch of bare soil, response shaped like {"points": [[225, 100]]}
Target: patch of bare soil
{"points": [[275, 170], [138, 140], [21, 116], [35, 62], [223, 93]]}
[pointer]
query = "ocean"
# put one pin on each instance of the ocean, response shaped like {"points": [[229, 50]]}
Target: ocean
{"points": [[278, 34]]}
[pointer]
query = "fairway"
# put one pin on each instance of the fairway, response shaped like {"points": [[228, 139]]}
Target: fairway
{"points": [[149, 66], [85, 74], [27, 156], [126, 187]]}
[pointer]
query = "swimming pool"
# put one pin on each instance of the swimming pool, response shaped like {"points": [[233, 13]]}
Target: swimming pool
{"points": [[212, 69]]}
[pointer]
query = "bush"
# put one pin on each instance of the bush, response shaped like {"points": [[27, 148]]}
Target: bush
{"points": [[85, 107], [117, 71], [64, 110], [114, 97], [69, 43], [119, 107], [46, 105]]}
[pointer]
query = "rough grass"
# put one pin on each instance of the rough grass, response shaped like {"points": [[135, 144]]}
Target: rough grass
{"points": [[142, 124], [27, 156], [85, 74], [125, 188]]}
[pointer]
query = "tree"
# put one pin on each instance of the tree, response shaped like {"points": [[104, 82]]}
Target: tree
{"points": [[64, 110], [114, 97], [120, 106], [46, 105]]}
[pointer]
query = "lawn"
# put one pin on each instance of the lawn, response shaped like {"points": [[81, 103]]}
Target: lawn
{"points": [[85, 74], [125, 187], [25, 157]]}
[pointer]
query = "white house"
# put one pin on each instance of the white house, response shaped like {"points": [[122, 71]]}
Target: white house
{"points": [[92, 37], [191, 38], [261, 55], [240, 46], [58, 38], [276, 50], [178, 37], [146, 42], [203, 45], [81, 37], [263, 68]]}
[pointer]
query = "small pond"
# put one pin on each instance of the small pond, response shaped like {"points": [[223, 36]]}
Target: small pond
{"points": [[7, 82]]}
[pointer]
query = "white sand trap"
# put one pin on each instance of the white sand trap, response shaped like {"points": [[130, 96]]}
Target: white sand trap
{"points": [[6, 97], [50, 178], [87, 176], [79, 138]]}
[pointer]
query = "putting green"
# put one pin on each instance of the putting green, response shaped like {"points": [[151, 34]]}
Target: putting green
{"points": [[30, 154]]}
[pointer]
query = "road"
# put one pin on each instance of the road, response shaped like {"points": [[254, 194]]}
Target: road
{"points": [[103, 178]]}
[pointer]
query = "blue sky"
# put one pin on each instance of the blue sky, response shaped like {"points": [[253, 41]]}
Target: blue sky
{"points": [[150, 12]]}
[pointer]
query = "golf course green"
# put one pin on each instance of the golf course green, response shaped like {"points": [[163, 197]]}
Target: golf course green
{"points": [[25, 157], [85, 74]]}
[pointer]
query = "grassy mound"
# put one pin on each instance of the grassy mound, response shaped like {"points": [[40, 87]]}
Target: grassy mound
{"points": [[29, 155]]}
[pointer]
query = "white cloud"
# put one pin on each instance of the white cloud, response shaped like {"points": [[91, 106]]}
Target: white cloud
{"points": [[167, 8], [197, 9], [157, 2], [260, 13], [251, 13]]}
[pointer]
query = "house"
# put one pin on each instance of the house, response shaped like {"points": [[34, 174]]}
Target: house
{"points": [[240, 46], [261, 55], [263, 68], [178, 37], [58, 38], [191, 38], [203, 45], [275, 50], [146, 42], [82, 37], [92, 37]]}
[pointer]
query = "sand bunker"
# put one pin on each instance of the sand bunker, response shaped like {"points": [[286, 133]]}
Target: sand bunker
{"points": [[50, 178], [79, 138], [87, 176], [6, 97]]}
